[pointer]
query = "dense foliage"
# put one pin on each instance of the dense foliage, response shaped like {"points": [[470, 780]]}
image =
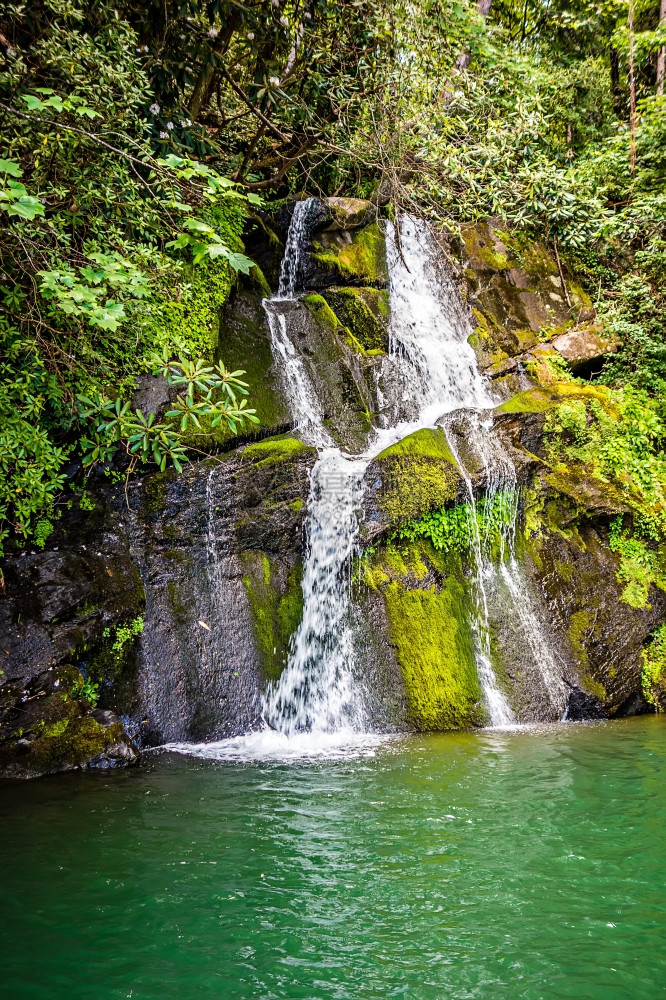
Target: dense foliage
{"points": [[136, 137]]}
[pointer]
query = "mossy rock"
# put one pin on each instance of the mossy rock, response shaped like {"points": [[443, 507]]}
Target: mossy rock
{"points": [[245, 345], [276, 604], [428, 615], [346, 395], [516, 292], [321, 310], [56, 730], [365, 312], [541, 399], [412, 477], [274, 451], [344, 258]]}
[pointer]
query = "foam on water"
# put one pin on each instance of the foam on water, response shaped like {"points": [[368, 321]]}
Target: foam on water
{"points": [[270, 745]]}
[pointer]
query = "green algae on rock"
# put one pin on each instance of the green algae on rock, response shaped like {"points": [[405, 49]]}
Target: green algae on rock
{"points": [[276, 603], [274, 450], [364, 311], [357, 258], [56, 730], [412, 477], [428, 614]]}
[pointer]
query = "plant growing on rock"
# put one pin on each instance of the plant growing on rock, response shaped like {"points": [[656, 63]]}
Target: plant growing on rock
{"points": [[210, 391]]}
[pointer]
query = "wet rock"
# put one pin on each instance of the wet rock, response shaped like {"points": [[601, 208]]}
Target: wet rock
{"points": [[347, 213], [151, 395], [345, 386], [221, 559], [582, 707], [345, 257], [59, 601], [51, 728], [583, 345]]}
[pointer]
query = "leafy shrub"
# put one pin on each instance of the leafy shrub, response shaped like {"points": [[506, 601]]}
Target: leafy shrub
{"points": [[654, 670]]}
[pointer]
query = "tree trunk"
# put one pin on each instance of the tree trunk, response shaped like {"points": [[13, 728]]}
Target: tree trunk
{"points": [[615, 81], [632, 89], [207, 80], [462, 62], [661, 57]]}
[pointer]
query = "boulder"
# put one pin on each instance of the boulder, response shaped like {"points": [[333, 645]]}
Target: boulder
{"points": [[411, 478], [584, 346], [347, 213], [345, 257]]}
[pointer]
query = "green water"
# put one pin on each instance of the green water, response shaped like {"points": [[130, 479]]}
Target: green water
{"points": [[445, 867]]}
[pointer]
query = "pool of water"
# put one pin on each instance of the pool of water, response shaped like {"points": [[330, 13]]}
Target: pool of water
{"points": [[527, 864]]}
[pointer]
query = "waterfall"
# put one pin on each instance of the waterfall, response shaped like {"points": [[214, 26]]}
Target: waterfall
{"points": [[435, 370], [430, 376], [501, 483], [316, 691]]}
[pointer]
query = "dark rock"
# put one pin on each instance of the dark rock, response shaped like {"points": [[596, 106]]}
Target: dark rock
{"points": [[582, 707], [152, 394], [202, 665]]}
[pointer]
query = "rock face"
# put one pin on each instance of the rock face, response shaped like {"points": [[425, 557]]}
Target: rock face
{"points": [[519, 301], [208, 562], [220, 550], [178, 599]]}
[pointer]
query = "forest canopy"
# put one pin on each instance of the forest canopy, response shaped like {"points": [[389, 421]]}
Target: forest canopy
{"points": [[137, 139]]}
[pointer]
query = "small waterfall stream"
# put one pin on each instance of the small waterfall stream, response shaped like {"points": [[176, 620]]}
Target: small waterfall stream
{"points": [[435, 370], [430, 372]]}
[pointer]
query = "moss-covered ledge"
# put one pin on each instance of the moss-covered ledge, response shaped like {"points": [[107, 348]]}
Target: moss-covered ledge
{"points": [[428, 614], [349, 258], [411, 478]]}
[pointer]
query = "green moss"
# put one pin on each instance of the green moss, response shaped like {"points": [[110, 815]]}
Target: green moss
{"points": [[321, 310], [533, 257], [653, 674], [485, 250], [419, 475], [393, 564], [276, 606], [426, 443], [430, 633], [595, 688], [579, 632], [363, 260], [364, 311], [273, 451], [191, 323], [151, 505], [72, 742]]}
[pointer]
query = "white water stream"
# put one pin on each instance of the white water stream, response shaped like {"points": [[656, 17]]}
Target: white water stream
{"points": [[316, 704]]}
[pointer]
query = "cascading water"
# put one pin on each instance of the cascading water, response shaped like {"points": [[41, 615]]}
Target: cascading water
{"points": [[316, 692], [429, 373], [436, 371]]}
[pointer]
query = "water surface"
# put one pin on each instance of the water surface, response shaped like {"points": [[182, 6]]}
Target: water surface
{"points": [[524, 864]]}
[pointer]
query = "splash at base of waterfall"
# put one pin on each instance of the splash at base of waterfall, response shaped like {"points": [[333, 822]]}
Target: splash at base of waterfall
{"points": [[270, 745]]}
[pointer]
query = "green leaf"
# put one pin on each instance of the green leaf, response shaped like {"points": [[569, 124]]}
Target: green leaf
{"points": [[34, 103], [11, 168], [26, 207]]}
